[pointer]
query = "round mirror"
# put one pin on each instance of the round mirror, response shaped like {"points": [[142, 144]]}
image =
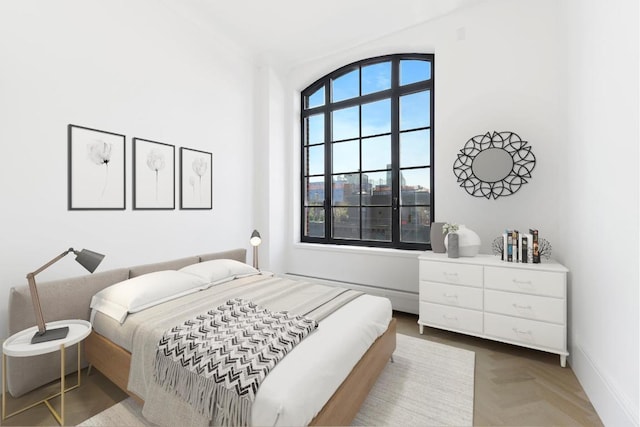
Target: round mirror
{"points": [[492, 165]]}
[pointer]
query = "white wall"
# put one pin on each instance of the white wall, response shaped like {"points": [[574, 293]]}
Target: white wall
{"points": [[563, 75], [505, 75], [271, 207], [136, 68], [600, 216]]}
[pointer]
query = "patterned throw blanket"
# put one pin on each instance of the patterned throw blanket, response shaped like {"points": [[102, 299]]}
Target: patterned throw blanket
{"points": [[216, 361]]}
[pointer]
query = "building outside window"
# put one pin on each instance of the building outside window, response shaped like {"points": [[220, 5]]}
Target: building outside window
{"points": [[367, 144]]}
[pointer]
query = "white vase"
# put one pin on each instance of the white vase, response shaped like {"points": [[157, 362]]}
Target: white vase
{"points": [[468, 242]]}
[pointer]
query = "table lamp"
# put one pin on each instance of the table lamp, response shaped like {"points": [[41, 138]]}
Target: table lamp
{"points": [[89, 260], [255, 242]]}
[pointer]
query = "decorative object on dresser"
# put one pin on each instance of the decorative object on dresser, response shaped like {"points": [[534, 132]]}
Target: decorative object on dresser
{"points": [[497, 246], [517, 303], [468, 240], [514, 246], [86, 258], [437, 238], [494, 165], [452, 245], [544, 248]]}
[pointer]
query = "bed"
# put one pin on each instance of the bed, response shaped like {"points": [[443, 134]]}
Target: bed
{"points": [[111, 354]]}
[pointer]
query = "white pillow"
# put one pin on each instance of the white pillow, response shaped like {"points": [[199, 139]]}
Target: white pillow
{"points": [[144, 291], [219, 271]]}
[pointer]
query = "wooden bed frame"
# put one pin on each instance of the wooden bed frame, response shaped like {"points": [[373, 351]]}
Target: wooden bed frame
{"points": [[113, 362]]}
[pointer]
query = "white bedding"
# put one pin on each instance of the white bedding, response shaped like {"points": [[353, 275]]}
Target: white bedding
{"points": [[299, 386]]}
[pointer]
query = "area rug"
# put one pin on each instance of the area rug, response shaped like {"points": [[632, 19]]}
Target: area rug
{"points": [[428, 384]]}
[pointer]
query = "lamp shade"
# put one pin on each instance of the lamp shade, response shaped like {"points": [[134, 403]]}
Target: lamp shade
{"points": [[89, 259], [255, 238]]}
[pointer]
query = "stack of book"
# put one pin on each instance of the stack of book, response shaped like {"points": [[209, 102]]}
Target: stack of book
{"points": [[521, 247]]}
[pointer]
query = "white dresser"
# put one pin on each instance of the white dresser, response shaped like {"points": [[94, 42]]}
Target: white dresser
{"points": [[521, 304]]}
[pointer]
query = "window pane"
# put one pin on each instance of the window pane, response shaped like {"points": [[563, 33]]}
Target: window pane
{"points": [[376, 224], [315, 129], [414, 70], [367, 160], [415, 187], [316, 99], [415, 110], [346, 156], [414, 224], [376, 77], [415, 148], [314, 160], [314, 191], [376, 117], [346, 86], [345, 124], [346, 223], [346, 190], [376, 153], [376, 188], [314, 222]]}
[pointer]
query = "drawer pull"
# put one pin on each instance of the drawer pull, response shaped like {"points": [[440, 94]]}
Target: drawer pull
{"points": [[521, 332], [447, 274], [522, 282], [521, 307], [447, 317], [446, 295]]}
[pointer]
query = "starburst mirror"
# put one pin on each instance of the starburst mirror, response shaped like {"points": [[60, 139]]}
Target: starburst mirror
{"points": [[494, 165]]}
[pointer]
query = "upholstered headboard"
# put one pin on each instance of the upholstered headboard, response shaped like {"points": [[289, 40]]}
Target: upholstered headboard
{"points": [[69, 299]]}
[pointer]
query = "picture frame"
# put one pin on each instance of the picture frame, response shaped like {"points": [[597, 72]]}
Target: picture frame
{"points": [[196, 179], [154, 175], [96, 169]]}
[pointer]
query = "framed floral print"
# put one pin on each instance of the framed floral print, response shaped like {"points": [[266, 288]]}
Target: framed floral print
{"points": [[154, 176], [96, 169], [196, 179]]}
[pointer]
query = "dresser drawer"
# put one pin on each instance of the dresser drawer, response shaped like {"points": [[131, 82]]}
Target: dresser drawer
{"points": [[545, 283], [454, 295], [527, 306], [526, 332], [447, 272], [459, 319]]}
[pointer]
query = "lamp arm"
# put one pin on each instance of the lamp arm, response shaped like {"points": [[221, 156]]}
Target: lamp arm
{"points": [[34, 290], [50, 263]]}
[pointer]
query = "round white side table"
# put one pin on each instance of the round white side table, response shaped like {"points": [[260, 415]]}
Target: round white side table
{"points": [[19, 345]]}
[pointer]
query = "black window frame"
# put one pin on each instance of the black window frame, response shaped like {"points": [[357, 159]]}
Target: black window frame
{"points": [[394, 94]]}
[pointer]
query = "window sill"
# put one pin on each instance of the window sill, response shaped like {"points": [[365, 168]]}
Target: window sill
{"points": [[361, 250]]}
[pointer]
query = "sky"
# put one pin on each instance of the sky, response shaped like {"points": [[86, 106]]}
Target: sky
{"points": [[374, 131]]}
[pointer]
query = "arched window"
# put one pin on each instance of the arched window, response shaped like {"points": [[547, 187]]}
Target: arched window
{"points": [[367, 144]]}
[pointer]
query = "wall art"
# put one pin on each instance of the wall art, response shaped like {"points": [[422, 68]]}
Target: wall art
{"points": [[154, 176], [96, 169], [196, 179], [494, 165]]}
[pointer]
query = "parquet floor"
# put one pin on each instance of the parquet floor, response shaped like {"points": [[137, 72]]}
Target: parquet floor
{"points": [[513, 387]]}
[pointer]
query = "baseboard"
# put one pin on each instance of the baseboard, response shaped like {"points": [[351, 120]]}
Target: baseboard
{"points": [[613, 407], [406, 302]]}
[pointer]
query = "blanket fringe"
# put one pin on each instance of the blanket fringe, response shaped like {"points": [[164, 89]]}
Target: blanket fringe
{"points": [[220, 404]]}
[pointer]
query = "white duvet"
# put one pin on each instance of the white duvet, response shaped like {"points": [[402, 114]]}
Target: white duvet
{"points": [[298, 387]]}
